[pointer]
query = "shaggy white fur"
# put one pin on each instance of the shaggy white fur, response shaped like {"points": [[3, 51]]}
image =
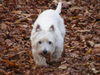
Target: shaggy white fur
{"points": [[47, 36]]}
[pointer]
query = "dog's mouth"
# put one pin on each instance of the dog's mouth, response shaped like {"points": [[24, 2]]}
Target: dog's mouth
{"points": [[47, 56]]}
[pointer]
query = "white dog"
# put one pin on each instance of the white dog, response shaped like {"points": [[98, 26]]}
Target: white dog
{"points": [[47, 36]]}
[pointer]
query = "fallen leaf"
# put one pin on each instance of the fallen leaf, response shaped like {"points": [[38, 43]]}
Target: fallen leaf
{"points": [[89, 51], [3, 26], [95, 71], [96, 49], [8, 42], [90, 43], [74, 8], [16, 12], [63, 67]]}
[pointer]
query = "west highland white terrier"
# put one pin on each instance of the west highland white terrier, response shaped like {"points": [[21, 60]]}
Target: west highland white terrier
{"points": [[47, 36]]}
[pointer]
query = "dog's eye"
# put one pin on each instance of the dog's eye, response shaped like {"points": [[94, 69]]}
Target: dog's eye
{"points": [[50, 42], [39, 42]]}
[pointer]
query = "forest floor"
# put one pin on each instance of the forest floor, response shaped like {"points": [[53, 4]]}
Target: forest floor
{"points": [[82, 40]]}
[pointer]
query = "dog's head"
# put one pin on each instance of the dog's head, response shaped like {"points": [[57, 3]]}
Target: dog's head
{"points": [[44, 41]]}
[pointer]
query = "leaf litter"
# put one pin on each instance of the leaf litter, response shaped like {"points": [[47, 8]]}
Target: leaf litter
{"points": [[82, 41]]}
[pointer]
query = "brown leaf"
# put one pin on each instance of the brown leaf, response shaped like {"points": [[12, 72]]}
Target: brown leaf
{"points": [[16, 12], [89, 51], [95, 71], [9, 62], [90, 43], [8, 42], [3, 26], [96, 49], [74, 8], [64, 66]]}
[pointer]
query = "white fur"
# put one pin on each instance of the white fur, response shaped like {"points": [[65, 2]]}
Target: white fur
{"points": [[45, 33]]}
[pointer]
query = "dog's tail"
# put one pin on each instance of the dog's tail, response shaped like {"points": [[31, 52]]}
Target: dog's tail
{"points": [[58, 9]]}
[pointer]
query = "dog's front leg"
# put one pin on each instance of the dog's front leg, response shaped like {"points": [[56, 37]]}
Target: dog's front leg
{"points": [[58, 50], [40, 60], [57, 55]]}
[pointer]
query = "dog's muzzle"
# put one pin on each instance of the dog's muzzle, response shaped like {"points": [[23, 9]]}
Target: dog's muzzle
{"points": [[45, 52]]}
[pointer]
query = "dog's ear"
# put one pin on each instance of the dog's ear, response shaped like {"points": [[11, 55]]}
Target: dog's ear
{"points": [[52, 28], [38, 28]]}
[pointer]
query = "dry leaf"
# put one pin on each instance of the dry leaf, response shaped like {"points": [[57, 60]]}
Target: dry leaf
{"points": [[90, 43], [81, 19], [89, 51], [63, 67], [16, 12], [96, 49], [3, 26]]}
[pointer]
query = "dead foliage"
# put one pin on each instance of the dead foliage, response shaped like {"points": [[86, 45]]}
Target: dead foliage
{"points": [[82, 41]]}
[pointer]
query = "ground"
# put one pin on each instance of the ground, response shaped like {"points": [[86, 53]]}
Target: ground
{"points": [[82, 41]]}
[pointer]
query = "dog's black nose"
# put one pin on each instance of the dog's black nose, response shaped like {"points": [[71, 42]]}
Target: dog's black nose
{"points": [[45, 52]]}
